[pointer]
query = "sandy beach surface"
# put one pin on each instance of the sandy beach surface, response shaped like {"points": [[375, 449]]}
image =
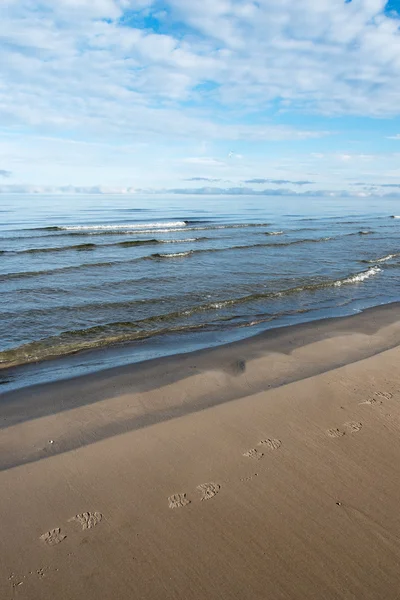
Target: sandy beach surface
{"points": [[266, 469]]}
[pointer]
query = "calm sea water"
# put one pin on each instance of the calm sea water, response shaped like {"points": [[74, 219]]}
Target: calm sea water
{"points": [[148, 276]]}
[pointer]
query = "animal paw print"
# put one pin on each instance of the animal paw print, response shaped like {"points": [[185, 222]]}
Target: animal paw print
{"points": [[178, 501]]}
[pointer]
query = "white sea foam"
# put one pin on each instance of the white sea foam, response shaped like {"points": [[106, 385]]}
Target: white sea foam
{"points": [[169, 230], [395, 216], [178, 241], [174, 254], [274, 233], [384, 258], [133, 227], [359, 277], [221, 304]]}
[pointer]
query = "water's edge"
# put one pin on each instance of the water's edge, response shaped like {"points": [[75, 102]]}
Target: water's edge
{"points": [[146, 373], [125, 355]]}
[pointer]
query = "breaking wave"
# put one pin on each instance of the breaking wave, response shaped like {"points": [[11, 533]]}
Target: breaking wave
{"points": [[127, 244], [359, 277], [173, 254], [70, 342], [381, 260], [137, 228], [23, 274], [156, 225]]}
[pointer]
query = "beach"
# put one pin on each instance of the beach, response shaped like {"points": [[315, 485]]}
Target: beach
{"points": [[199, 300], [265, 468]]}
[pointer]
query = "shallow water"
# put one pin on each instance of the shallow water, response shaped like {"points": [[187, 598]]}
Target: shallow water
{"points": [[159, 274]]}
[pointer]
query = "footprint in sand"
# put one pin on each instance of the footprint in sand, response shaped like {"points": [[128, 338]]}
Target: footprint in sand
{"points": [[353, 426], [386, 395], [335, 433], [88, 520], [254, 454], [271, 444], [53, 537], [377, 398], [372, 402], [208, 490], [249, 478], [178, 501]]}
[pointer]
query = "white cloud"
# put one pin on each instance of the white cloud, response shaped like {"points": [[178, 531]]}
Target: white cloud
{"points": [[198, 191], [66, 68], [326, 56], [204, 161], [221, 72]]}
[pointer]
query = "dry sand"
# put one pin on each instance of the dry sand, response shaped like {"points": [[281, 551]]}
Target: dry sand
{"points": [[266, 471]]}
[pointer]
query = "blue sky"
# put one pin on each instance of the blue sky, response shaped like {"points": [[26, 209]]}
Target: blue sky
{"points": [[203, 95]]}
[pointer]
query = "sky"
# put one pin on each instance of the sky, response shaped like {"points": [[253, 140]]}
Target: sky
{"points": [[200, 96]]}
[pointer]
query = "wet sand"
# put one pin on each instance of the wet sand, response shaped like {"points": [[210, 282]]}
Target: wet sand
{"points": [[263, 469]]}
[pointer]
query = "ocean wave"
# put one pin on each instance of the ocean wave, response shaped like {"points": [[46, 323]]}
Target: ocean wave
{"points": [[132, 243], [91, 246], [381, 260], [69, 342], [245, 247], [172, 254], [274, 233], [86, 307], [137, 229], [94, 265], [215, 305], [156, 241], [23, 274], [357, 233], [354, 278], [359, 277], [288, 243], [109, 227], [395, 217], [167, 230], [77, 247], [184, 240]]}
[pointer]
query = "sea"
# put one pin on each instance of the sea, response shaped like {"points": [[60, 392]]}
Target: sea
{"points": [[92, 282]]}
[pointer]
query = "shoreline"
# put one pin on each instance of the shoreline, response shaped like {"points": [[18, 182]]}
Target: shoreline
{"points": [[115, 356], [168, 388], [314, 330], [253, 470]]}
